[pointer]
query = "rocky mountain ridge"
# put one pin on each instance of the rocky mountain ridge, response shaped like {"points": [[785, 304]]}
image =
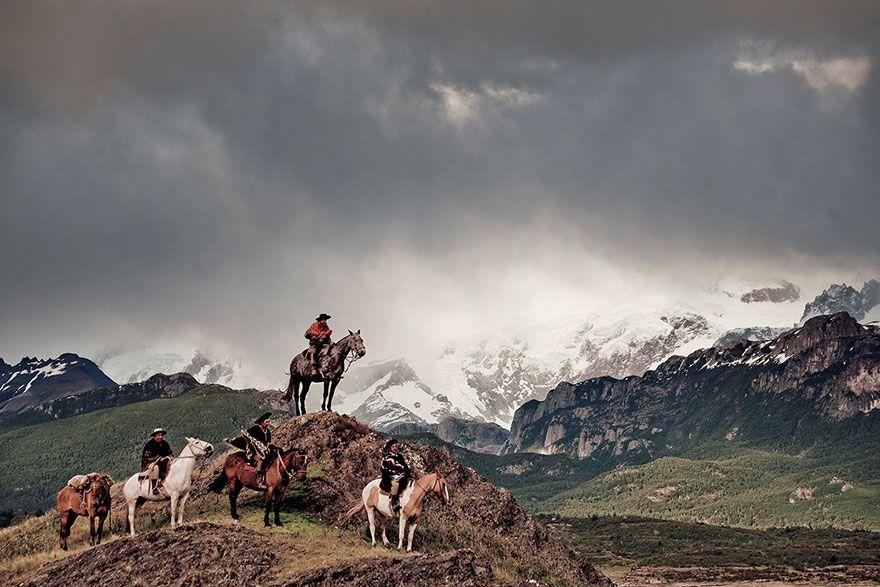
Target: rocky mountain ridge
{"points": [[33, 381], [845, 298], [829, 367]]}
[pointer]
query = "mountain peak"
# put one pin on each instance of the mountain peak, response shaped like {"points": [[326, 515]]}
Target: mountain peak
{"points": [[840, 297]]}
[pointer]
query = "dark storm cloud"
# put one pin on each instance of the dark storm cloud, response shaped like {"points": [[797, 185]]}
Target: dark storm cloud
{"points": [[169, 163]]}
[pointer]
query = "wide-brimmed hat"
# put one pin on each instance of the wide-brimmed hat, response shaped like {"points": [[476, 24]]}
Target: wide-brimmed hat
{"points": [[263, 417], [391, 442], [323, 316], [158, 431]]}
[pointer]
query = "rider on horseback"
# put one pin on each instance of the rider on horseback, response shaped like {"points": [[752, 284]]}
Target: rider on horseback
{"points": [[319, 340], [395, 473], [255, 442], [157, 450]]}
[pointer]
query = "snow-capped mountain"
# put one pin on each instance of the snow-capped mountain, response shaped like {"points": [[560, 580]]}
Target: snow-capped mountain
{"points": [[489, 376], [33, 381], [389, 393], [138, 363], [845, 298]]}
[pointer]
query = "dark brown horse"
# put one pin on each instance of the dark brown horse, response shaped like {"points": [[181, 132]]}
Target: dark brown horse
{"points": [[303, 372], [94, 502], [281, 467]]}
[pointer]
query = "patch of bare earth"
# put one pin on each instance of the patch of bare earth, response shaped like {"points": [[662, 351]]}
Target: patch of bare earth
{"points": [[459, 567], [196, 554]]}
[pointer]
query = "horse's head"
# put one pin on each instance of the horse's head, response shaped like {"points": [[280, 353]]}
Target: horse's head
{"points": [[356, 343], [200, 448], [98, 485], [441, 489]]}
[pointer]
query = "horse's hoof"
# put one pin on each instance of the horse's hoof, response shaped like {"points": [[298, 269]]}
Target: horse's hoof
{"points": [[279, 524]]}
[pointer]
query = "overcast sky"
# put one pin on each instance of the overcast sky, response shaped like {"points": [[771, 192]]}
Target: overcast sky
{"points": [[220, 172]]}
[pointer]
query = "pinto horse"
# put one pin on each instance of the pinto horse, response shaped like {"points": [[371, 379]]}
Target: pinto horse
{"points": [[281, 467], [303, 372], [94, 502], [411, 503]]}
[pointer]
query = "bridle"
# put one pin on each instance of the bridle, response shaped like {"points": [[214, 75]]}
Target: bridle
{"points": [[204, 456], [351, 356]]}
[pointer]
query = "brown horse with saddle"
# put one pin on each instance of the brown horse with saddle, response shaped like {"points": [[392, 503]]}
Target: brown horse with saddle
{"points": [[84, 495], [280, 467]]}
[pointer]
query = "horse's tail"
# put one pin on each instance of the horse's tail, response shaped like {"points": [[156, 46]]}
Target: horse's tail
{"points": [[288, 394], [219, 482], [347, 515]]}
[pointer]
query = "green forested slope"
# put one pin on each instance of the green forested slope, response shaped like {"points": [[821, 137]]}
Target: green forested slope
{"points": [[37, 460]]}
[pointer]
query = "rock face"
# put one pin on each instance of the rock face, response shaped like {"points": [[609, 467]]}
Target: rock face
{"points": [[480, 516], [845, 298], [475, 436], [33, 381], [826, 370], [785, 291]]}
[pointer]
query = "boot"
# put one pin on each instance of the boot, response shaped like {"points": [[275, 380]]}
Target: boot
{"points": [[395, 504]]}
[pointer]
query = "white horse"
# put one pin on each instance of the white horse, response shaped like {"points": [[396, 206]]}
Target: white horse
{"points": [[411, 502], [177, 483]]}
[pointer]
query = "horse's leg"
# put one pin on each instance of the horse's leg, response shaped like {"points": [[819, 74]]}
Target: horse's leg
{"points": [[326, 393], [295, 394], [302, 396], [131, 507], [270, 496], [234, 488], [332, 391], [173, 495], [93, 532], [101, 518], [371, 515], [384, 536], [279, 497], [401, 531], [180, 505], [412, 530], [66, 521]]}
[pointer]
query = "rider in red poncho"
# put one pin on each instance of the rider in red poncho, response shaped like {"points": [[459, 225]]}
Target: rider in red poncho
{"points": [[319, 339]]}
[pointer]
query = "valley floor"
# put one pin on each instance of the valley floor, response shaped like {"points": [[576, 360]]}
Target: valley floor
{"points": [[643, 551]]}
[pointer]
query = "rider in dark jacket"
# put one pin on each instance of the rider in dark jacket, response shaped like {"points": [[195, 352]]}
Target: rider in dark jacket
{"points": [[395, 473], [258, 433], [157, 450]]}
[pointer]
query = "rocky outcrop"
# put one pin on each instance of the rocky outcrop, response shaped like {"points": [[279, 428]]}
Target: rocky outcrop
{"points": [[33, 381], [476, 436], [480, 516], [827, 370]]}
